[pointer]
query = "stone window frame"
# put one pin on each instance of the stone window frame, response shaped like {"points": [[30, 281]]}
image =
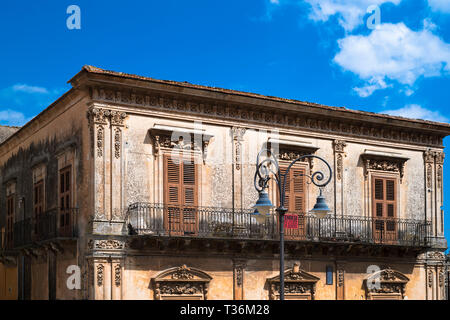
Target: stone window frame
{"points": [[392, 285], [181, 283], [384, 165], [295, 279]]}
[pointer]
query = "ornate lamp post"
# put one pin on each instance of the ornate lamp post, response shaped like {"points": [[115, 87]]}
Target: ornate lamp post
{"points": [[263, 206]]}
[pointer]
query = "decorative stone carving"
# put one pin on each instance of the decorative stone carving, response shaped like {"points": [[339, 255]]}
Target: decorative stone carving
{"points": [[100, 274], [436, 255], [428, 156], [117, 142], [183, 273], [117, 274], [106, 244], [239, 267], [238, 136], [166, 139], [296, 282], [117, 118], [181, 281], [378, 163], [441, 278], [100, 135], [429, 175], [430, 278], [389, 282], [339, 150], [340, 271], [283, 118]]}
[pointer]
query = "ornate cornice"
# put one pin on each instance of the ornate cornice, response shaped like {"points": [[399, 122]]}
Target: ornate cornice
{"points": [[262, 115], [388, 164]]}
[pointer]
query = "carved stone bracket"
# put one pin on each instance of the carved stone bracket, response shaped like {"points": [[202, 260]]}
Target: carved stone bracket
{"points": [[181, 281], [297, 283]]}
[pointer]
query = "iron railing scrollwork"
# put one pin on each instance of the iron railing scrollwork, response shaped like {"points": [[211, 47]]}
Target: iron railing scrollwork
{"points": [[216, 222]]}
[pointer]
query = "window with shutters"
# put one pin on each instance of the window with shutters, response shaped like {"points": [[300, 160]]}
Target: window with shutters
{"points": [[295, 197], [65, 201], [384, 199], [38, 205], [180, 195], [10, 212]]}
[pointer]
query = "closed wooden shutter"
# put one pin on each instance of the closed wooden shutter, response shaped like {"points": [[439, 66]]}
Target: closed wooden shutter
{"points": [[294, 189], [295, 199], [180, 194], [384, 199]]}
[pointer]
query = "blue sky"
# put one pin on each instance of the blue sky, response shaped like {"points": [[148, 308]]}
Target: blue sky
{"points": [[312, 50]]}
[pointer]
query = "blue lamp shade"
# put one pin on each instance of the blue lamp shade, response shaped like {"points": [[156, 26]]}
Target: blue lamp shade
{"points": [[262, 207], [320, 209]]}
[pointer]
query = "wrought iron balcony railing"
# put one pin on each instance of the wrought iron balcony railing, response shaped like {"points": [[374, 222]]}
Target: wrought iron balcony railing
{"points": [[52, 224], [209, 222]]}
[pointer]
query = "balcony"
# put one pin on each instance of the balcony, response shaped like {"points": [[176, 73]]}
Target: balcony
{"points": [[221, 223], [55, 224]]}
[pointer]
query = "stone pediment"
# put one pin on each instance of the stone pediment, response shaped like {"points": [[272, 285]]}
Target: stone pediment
{"points": [[292, 275], [388, 276], [386, 284], [182, 274]]}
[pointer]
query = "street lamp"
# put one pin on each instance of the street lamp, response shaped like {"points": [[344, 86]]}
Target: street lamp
{"points": [[263, 206]]}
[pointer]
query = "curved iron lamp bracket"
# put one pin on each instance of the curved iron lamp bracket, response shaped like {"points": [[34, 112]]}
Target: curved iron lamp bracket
{"points": [[264, 171]]}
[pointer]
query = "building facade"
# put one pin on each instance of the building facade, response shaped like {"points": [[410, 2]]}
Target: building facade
{"points": [[146, 188]]}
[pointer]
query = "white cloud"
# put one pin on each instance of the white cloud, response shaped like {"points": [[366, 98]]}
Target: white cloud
{"points": [[393, 52], [440, 5], [414, 111], [350, 13], [12, 118], [29, 89]]}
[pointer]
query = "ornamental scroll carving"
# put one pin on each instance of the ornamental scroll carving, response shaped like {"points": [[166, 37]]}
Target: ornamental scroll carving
{"points": [[380, 163], [264, 116], [106, 244], [100, 274], [239, 267], [387, 281], [296, 282], [117, 274], [339, 151], [181, 281], [169, 139], [98, 119], [238, 137]]}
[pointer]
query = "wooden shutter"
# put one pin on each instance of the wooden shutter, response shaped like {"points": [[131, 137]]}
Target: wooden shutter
{"points": [[294, 189], [180, 194], [384, 199]]}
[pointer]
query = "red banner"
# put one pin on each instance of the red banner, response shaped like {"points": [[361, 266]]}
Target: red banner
{"points": [[291, 221]]}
